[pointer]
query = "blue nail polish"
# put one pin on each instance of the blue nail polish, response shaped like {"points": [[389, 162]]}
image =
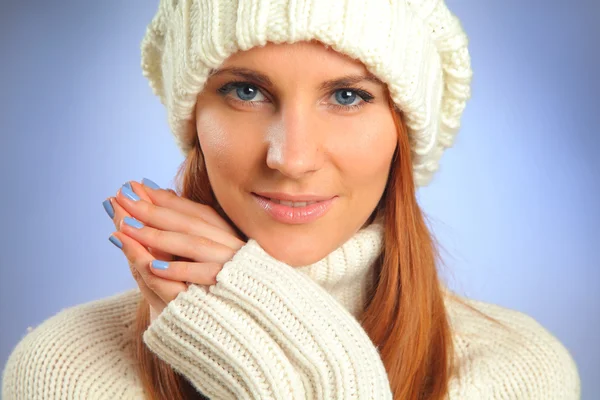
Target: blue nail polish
{"points": [[128, 185], [133, 222], [158, 264], [114, 240], [129, 193], [150, 183], [108, 208]]}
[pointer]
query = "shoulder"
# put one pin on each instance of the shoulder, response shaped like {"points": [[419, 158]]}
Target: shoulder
{"points": [[84, 351], [509, 355]]}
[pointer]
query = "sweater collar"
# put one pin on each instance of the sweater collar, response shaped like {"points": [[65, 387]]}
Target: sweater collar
{"points": [[347, 273]]}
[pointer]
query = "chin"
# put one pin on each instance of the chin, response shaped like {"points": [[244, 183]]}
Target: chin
{"points": [[296, 253]]}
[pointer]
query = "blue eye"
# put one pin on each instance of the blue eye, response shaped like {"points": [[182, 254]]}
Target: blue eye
{"points": [[245, 92], [345, 97], [248, 94]]}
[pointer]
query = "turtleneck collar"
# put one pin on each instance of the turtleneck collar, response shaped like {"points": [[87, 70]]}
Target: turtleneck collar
{"points": [[347, 272]]}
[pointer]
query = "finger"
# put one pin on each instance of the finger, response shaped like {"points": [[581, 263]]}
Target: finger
{"points": [[120, 213], [167, 219], [169, 199], [110, 205], [195, 248], [139, 262], [152, 298], [198, 273]]}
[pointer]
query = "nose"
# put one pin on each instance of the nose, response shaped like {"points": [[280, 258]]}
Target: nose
{"points": [[295, 144]]}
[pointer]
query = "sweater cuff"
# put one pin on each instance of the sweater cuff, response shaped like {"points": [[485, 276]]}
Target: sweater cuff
{"points": [[319, 336], [221, 350]]}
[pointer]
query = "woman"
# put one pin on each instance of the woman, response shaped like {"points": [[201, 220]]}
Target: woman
{"points": [[296, 262]]}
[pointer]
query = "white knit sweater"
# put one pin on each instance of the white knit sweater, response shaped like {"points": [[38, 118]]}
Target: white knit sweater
{"points": [[270, 331]]}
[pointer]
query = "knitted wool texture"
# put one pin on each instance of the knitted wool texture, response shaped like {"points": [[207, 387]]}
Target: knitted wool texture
{"points": [[246, 338], [417, 47], [269, 331]]}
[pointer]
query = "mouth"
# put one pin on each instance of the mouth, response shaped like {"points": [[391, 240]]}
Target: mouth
{"points": [[297, 211], [294, 204]]}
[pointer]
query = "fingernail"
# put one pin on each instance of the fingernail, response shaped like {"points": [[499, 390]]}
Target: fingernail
{"points": [[158, 264], [150, 183], [129, 193], [133, 222], [114, 240], [128, 185], [108, 208]]}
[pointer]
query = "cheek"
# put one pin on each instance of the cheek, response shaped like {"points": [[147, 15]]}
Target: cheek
{"points": [[365, 150], [212, 135], [222, 144]]}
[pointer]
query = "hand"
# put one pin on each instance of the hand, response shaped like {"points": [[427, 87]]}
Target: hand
{"points": [[171, 227]]}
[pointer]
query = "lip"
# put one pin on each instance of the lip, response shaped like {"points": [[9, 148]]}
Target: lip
{"points": [[295, 215], [293, 197]]}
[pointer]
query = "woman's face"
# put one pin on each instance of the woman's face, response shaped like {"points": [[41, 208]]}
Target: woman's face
{"points": [[298, 122]]}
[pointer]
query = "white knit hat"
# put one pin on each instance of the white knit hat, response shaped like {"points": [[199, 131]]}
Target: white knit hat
{"points": [[417, 47]]}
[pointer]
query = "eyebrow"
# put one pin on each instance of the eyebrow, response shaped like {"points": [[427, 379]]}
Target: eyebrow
{"points": [[262, 79]]}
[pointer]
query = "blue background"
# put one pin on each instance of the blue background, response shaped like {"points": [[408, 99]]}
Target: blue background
{"points": [[515, 203]]}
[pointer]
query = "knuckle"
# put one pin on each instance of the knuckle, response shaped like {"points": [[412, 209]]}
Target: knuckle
{"points": [[148, 211], [183, 269], [188, 226], [139, 272], [202, 241], [198, 247], [154, 236], [151, 282], [134, 271]]}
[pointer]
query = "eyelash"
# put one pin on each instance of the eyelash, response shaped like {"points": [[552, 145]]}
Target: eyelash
{"points": [[362, 93]]}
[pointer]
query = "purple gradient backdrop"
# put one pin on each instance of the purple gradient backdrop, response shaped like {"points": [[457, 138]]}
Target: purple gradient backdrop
{"points": [[515, 204]]}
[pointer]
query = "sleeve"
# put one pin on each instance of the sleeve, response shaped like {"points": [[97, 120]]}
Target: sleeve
{"points": [[267, 331]]}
